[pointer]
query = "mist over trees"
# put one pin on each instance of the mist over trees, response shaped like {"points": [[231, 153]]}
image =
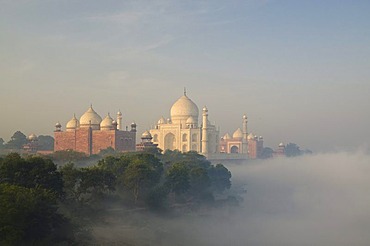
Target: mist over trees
{"points": [[41, 203]]}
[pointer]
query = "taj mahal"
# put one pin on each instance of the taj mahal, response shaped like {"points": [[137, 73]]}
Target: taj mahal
{"points": [[184, 130]]}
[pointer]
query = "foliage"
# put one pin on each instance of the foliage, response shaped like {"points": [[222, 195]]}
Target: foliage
{"points": [[143, 172], [45, 142], [267, 153], [177, 178], [67, 156], [2, 143], [220, 178], [292, 149], [86, 186], [29, 216], [17, 141], [31, 172]]}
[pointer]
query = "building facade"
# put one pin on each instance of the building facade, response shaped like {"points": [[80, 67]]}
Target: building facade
{"points": [[182, 130], [91, 134]]}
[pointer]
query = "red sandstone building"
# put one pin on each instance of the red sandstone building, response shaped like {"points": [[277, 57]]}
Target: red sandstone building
{"points": [[91, 134]]}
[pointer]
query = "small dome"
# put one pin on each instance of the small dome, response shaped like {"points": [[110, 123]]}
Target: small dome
{"points": [[183, 108], [72, 124], [162, 120], [281, 145], [245, 117], [191, 120], [146, 135], [32, 137], [119, 113], [250, 136], [238, 133], [260, 137], [58, 125], [90, 118], [205, 109], [227, 136], [107, 123], [133, 124]]}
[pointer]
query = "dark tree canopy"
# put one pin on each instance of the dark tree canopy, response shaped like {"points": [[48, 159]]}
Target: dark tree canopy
{"points": [[45, 142], [17, 141], [31, 172], [292, 149]]}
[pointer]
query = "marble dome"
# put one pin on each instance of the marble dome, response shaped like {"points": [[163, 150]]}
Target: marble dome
{"points": [[184, 108], [146, 135], [90, 117], [107, 123], [72, 124], [238, 133]]}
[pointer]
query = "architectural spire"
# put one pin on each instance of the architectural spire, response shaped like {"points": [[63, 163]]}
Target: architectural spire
{"points": [[184, 91]]}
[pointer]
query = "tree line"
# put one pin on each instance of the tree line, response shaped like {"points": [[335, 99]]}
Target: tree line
{"points": [[42, 203]]}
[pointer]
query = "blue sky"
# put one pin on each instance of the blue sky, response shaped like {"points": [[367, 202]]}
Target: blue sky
{"points": [[299, 69]]}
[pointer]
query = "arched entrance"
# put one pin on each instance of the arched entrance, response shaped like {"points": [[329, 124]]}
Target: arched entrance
{"points": [[169, 141], [234, 149]]}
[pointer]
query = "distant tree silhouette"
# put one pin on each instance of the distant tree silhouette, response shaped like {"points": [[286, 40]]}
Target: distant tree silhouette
{"points": [[17, 141], [292, 149]]}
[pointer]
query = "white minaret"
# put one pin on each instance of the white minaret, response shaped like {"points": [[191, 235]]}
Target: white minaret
{"points": [[205, 131], [119, 120], [245, 134], [245, 129]]}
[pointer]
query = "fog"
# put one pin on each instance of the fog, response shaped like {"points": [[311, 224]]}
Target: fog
{"points": [[310, 200]]}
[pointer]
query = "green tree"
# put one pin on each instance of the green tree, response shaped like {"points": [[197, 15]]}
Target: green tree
{"points": [[143, 172], [177, 178], [86, 186], [292, 149], [31, 172], [17, 141], [199, 180], [68, 156], [45, 142], [219, 177], [2, 143], [28, 216], [267, 153]]}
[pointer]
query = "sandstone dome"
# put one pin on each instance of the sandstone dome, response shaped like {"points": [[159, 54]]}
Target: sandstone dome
{"points": [[90, 117], [107, 123], [72, 124], [184, 108]]}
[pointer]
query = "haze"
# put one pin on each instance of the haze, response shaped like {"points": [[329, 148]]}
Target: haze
{"points": [[299, 69], [309, 200]]}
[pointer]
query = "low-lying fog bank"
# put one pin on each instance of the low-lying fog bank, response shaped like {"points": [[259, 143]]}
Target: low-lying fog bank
{"points": [[319, 199]]}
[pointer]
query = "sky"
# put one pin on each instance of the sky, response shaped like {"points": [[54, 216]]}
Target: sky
{"points": [[298, 69]]}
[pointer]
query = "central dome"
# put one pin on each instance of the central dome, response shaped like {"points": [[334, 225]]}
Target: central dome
{"points": [[182, 109], [90, 118]]}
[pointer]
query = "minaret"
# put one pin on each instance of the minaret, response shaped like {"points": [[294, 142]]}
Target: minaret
{"points": [[119, 120], [205, 131], [245, 134]]}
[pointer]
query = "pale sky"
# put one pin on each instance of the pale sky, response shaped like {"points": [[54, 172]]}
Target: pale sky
{"points": [[300, 70]]}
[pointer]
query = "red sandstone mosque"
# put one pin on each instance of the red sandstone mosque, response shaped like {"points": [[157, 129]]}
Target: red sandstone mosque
{"points": [[91, 134]]}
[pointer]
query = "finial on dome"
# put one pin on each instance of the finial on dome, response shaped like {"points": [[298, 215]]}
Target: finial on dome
{"points": [[184, 91]]}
